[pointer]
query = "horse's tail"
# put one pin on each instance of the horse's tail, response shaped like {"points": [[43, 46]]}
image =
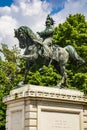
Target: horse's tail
{"points": [[73, 55]]}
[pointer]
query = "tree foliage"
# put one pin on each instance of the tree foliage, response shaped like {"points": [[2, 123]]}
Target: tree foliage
{"points": [[46, 76], [74, 32], [8, 77]]}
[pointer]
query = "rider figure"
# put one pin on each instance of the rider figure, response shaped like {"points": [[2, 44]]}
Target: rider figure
{"points": [[46, 35]]}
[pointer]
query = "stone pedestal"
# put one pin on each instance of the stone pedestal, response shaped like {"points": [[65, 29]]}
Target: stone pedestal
{"points": [[45, 108]]}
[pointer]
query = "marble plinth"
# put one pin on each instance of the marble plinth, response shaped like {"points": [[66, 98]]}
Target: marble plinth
{"points": [[33, 107]]}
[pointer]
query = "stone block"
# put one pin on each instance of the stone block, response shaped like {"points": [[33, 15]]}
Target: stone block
{"points": [[85, 125], [27, 115], [85, 119], [27, 123], [33, 115], [85, 112], [32, 128], [32, 122], [26, 128]]}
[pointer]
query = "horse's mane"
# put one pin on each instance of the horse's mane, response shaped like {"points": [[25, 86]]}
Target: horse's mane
{"points": [[29, 32]]}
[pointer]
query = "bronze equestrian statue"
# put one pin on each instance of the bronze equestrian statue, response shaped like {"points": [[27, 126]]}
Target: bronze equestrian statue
{"points": [[44, 50]]}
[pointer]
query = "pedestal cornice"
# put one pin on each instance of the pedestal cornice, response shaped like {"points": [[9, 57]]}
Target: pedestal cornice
{"points": [[46, 93]]}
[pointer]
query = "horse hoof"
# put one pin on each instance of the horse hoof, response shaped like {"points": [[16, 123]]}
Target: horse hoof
{"points": [[61, 85], [58, 86], [20, 84]]}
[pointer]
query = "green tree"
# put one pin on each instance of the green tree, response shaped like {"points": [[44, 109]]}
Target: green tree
{"points": [[4, 89], [74, 32], [46, 76], [8, 77]]}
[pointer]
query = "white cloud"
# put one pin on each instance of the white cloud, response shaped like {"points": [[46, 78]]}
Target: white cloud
{"points": [[23, 12], [32, 13], [71, 7], [7, 25]]}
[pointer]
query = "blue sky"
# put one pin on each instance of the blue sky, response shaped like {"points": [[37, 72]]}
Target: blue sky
{"points": [[33, 13], [56, 5], [6, 2]]}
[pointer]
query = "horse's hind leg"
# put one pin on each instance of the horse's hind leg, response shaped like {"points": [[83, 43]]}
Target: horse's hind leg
{"points": [[61, 70], [25, 76], [63, 82]]}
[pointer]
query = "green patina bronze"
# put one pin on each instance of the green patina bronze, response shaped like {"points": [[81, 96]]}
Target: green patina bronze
{"points": [[45, 51], [47, 35]]}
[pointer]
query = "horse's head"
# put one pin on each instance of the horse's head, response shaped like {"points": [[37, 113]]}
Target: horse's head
{"points": [[25, 36], [20, 34]]}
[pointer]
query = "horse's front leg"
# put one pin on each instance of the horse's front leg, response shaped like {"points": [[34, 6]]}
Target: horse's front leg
{"points": [[25, 75], [29, 57], [26, 72]]}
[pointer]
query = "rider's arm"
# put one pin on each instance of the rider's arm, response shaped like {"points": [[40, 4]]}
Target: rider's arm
{"points": [[47, 32]]}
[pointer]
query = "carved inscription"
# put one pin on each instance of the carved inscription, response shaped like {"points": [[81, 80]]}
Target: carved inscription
{"points": [[51, 120], [61, 124]]}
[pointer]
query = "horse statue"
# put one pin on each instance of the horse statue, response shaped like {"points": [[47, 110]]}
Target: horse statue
{"points": [[35, 51]]}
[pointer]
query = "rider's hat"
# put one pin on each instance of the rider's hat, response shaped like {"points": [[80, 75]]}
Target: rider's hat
{"points": [[49, 20]]}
